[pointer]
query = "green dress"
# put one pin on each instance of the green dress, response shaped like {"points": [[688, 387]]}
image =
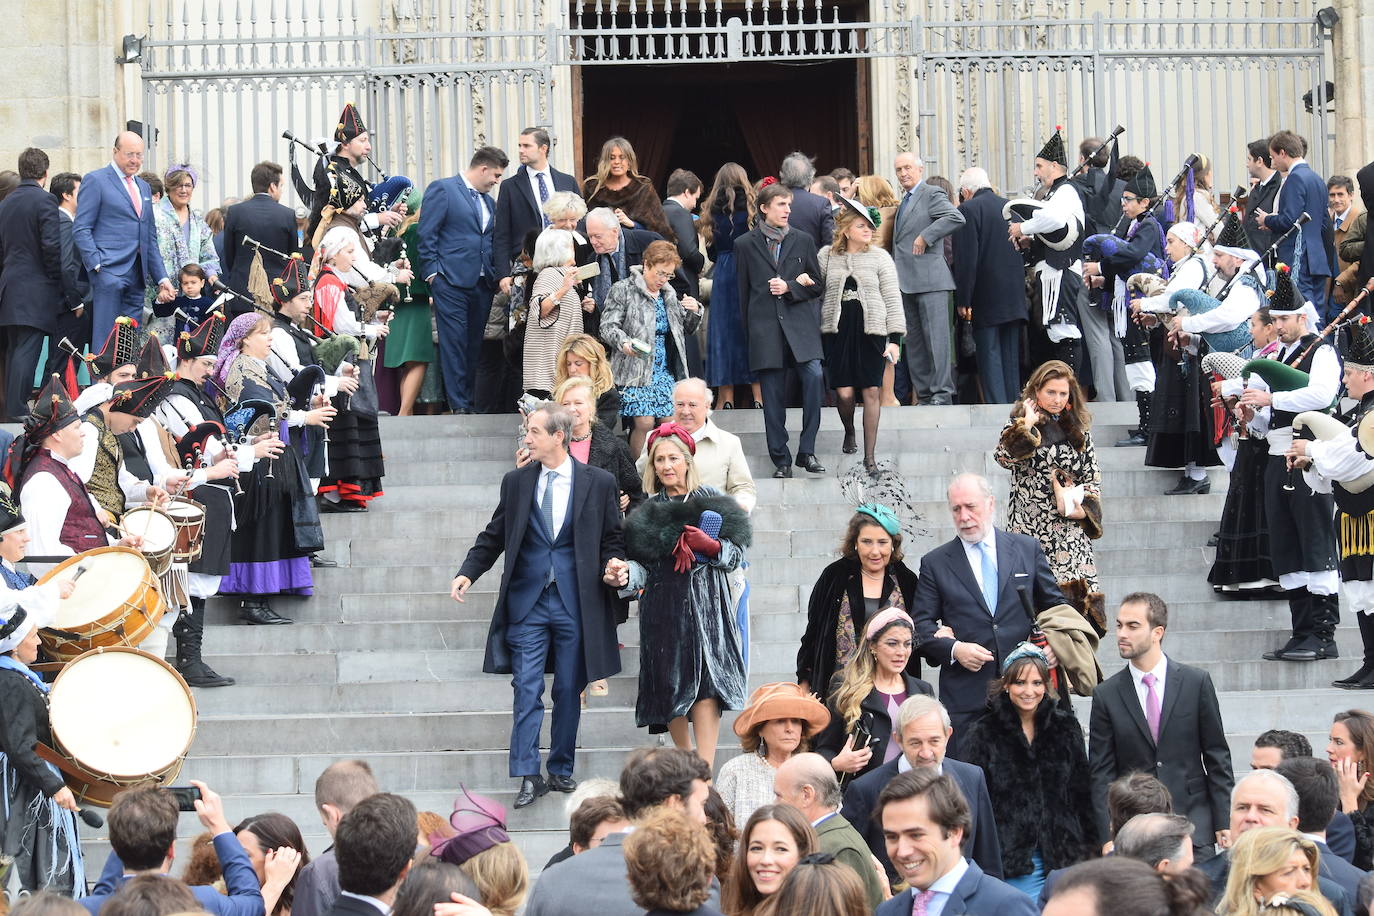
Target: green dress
{"points": [[411, 339]]}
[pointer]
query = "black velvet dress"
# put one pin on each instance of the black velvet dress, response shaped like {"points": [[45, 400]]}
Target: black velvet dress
{"points": [[689, 641]]}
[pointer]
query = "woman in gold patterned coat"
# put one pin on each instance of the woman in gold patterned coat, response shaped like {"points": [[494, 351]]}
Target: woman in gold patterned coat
{"points": [[1056, 487]]}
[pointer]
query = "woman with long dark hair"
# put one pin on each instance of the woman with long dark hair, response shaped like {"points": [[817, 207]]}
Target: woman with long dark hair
{"points": [[1056, 486], [1033, 752], [277, 853], [774, 840], [725, 217], [1350, 750], [869, 575]]}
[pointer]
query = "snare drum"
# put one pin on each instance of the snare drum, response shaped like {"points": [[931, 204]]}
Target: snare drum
{"points": [[159, 535], [114, 603], [189, 518], [120, 718]]}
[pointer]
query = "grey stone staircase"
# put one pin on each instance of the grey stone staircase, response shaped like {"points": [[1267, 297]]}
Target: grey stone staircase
{"points": [[382, 665]]}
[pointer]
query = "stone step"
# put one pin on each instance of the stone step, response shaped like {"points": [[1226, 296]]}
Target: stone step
{"points": [[460, 468]]}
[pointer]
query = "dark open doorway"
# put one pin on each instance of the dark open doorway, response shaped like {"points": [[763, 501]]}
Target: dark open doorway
{"points": [[699, 117]]}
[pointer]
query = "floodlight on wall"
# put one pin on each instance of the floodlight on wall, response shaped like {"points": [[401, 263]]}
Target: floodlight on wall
{"points": [[133, 49], [1327, 17]]}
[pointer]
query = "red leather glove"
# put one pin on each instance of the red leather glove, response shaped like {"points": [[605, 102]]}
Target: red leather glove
{"points": [[682, 555], [700, 541]]}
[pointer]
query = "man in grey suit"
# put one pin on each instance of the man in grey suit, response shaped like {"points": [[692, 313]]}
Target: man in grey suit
{"points": [[924, 217], [594, 883]]}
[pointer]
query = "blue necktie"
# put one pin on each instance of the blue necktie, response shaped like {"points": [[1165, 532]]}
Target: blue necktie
{"points": [[546, 503], [543, 196], [481, 210], [989, 577]]}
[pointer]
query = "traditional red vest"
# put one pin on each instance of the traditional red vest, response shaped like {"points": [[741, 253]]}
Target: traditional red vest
{"points": [[81, 529]]}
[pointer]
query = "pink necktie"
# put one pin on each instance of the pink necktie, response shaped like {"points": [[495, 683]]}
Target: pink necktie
{"points": [[133, 193], [1151, 705], [920, 901]]}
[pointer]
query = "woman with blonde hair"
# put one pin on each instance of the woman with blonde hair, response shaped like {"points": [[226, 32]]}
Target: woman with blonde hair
{"points": [[618, 186], [1193, 201], [691, 662], [862, 322], [482, 848], [583, 355], [865, 696], [1056, 485], [874, 191], [1269, 862], [725, 218]]}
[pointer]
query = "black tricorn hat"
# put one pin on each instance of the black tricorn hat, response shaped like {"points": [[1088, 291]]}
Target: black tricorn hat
{"points": [[52, 410], [204, 340], [119, 346], [1053, 150], [1142, 184], [1284, 298], [350, 124], [294, 280], [1356, 344], [141, 396], [152, 362]]}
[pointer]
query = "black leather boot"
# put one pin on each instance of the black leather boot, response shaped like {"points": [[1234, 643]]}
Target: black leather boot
{"points": [[1363, 679], [1141, 435], [1298, 600], [189, 632]]}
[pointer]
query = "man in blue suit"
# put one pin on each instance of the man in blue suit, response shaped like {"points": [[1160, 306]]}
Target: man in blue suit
{"points": [[553, 611], [117, 238], [924, 817], [1302, 191], [520, 206], [143, 832], [985, 585], [457, 260]]}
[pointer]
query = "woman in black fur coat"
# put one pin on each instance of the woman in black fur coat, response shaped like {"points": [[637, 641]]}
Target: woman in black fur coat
{"points": [[1032, 751], [691, 665]]}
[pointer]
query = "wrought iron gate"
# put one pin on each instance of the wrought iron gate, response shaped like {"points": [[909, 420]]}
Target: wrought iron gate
{"points": [[968, 82]]}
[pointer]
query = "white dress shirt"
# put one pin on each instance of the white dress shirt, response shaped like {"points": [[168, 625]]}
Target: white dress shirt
{"points": [[974, 552], [1138, 676], [561, 480], [532, 175], [481, 203], [944, 886]]}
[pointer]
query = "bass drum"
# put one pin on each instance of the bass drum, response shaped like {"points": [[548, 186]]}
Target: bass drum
{"points": [[120, 718], [115, 603]]}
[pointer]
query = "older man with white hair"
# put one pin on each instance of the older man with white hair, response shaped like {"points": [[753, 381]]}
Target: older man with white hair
{"points": [[616, 248], [923, 219], [1263, 798], [984, 584], [990, 287]]}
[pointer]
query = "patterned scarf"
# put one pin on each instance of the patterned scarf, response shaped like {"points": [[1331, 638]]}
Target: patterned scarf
{"points": [[846, 645], [774, 235]]}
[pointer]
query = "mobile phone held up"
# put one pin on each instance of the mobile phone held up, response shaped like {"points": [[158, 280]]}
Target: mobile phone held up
{"points": [[186, 797]]}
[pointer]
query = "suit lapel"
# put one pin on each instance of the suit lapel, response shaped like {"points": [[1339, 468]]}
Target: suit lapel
{"points": [[122, 190], [1006, 565], [522, 184], [579, 495], [1173, 675], [1126, 691], [964, 572], [967, 887], [524, 500]]}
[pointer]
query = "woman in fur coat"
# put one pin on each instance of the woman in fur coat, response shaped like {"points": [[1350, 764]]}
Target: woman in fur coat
{"points": [[691, 664], [1031, 749]]}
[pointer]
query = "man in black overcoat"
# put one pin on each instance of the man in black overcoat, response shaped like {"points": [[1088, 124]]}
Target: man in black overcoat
{"points": [[779, 296], [558, 524]]}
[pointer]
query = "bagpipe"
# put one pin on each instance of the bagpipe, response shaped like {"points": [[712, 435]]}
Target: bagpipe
{"points": [[240, 419], [1189, 164], [331, 349], [381, 196]]}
